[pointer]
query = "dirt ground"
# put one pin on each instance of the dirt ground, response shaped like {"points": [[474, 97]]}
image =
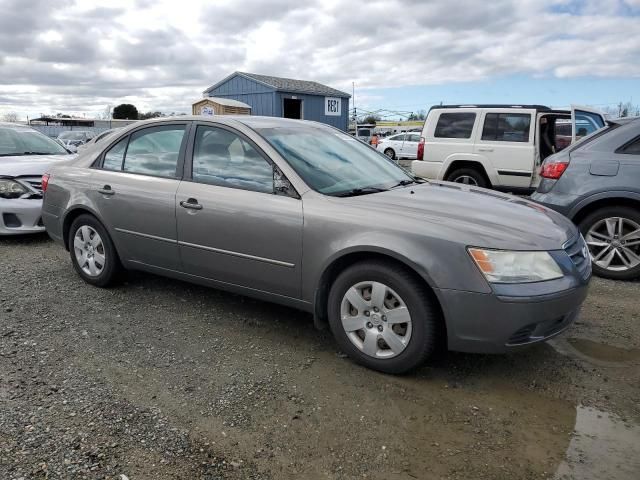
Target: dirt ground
{"points": [[159, 379]]}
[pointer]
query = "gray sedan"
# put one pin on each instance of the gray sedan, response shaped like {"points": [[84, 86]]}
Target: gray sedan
{"points": [[596, 183], [305, 215]]}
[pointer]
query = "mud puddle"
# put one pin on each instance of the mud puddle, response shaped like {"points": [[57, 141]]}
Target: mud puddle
{"points": [[596, 352], [602, 446]]}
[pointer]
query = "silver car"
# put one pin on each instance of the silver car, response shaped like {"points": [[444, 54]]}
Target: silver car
{"points": [[25, 155], [305, 215]]}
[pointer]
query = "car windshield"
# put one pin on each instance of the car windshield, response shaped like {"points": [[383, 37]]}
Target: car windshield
{"points": [[27, 142], [334, 163], [71, 136]]}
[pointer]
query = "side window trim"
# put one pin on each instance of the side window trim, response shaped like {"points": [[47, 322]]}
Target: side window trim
{"points": [[530, 135], [188, 163], [181, 155], [622, 148]]}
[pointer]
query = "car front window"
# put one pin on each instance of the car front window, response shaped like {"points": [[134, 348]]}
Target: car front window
{"points": [[332, 162], [14, 142]]}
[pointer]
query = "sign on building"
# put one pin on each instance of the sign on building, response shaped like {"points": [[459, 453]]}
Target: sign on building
{"points": [[332, 106], [207, 110]]}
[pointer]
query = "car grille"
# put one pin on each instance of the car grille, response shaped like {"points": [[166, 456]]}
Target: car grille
{"points": [[34, 182], [579, 253]]}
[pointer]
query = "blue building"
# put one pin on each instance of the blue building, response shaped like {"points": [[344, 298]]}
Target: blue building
{"points": [[285, 97]]}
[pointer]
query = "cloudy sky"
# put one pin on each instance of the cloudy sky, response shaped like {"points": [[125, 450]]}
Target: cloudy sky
{"points": [[82, 56]]}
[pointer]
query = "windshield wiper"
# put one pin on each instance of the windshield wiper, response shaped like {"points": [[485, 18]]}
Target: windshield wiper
{"points": [[360, 191], [37, 153], [404, 183]]}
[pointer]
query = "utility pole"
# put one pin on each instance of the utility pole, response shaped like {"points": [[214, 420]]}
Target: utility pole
{"points": [[355, 110]]}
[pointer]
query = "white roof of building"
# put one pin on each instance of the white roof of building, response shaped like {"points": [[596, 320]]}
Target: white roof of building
{"points": [[225, 101]]}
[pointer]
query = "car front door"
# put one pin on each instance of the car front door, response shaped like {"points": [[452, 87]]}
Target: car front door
{"points": [[134, 190], [506, 141], [585, 121], [235, 225]]}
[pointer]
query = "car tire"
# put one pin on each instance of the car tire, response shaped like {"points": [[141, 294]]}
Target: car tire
{"points": [[422, 330], [93, 254], [594, 229], [468, 176], [389, 152]]}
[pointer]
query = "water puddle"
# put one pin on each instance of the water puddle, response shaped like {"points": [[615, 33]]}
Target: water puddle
{"points": [[604, 352], [596, 352], [602, 446]]}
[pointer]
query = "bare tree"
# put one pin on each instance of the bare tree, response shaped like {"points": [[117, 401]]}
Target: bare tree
{"points": [[10, 117]]}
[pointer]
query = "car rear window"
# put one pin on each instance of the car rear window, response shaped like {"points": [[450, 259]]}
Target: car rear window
{"points": [[455, 125]]}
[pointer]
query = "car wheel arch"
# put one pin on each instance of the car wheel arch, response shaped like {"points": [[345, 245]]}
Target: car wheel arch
{"points": [[74, 212], [606, 199], [456, 164], [345, 259]]}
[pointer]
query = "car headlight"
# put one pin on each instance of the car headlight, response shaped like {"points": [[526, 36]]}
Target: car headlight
{"points": [[504, 266], [11, 188]]}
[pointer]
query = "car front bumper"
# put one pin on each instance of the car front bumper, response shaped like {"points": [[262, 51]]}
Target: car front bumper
{"points": [[489, 323], [21, 215]]}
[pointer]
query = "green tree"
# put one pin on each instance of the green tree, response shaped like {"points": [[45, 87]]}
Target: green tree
{"points": [[125, 111], [148, 115], [373, 119]]}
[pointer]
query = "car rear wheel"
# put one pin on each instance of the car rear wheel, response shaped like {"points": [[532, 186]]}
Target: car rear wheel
{"points": [[383, 317], [613, 237], [389, 152], [92, 252], [468, 176]]}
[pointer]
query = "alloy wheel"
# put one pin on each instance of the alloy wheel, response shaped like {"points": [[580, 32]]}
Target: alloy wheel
{"points": [[376, 319], [614, 243], [466, 179], [89, 251]]}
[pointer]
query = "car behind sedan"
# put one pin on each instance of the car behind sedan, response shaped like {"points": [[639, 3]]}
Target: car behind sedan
{"points": [[596, 183], [25, 155], [305, 215]]}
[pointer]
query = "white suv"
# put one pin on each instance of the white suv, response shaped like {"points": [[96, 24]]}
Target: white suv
{"points": [[497, 146]]}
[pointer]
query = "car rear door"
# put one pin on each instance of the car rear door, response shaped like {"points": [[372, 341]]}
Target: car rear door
{"points": [[585, 121], [234, 225], [134, 189], [506, 142], [410, 145]]}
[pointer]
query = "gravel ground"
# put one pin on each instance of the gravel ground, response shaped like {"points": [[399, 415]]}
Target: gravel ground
{"points": [[159, 379]]}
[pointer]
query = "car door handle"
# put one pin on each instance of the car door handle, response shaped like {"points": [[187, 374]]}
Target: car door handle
{"points": [[106, 190], [485, 149], [191, 204]]}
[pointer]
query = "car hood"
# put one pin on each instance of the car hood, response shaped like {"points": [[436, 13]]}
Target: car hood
{"points": [[29, 165], [469, 215]]}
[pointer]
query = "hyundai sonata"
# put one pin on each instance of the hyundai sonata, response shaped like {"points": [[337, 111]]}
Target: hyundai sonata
{"points": [[302, 214]]}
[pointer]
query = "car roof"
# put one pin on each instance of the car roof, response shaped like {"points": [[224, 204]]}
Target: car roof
{"points": [[252, 121], [625, 120], [16, 126], [493, 105]]}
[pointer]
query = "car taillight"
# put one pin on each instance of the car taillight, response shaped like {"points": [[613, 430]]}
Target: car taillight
{"points": [[553, 170], [420, 155], [45, 182]]}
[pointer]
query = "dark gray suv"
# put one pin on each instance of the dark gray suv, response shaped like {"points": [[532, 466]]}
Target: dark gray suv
{"points": [[596, 183]]}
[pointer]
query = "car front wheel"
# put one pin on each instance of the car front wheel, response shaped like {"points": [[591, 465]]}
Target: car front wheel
{"points": [[389, 152], [468, 176], [383, 317], [613, 237], [92, 252]]}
